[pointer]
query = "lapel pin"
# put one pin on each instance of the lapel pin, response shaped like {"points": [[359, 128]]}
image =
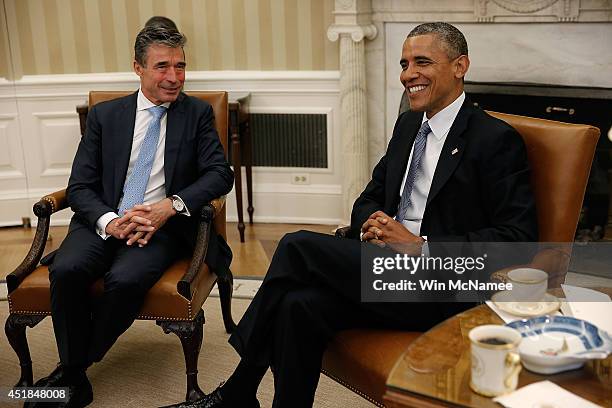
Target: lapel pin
{"points": [[455, 150]]}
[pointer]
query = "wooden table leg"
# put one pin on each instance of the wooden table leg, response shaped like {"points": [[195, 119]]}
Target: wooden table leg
{"points": [[237, 171], [248, 161]]}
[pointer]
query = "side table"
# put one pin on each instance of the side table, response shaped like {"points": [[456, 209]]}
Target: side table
{"points": [[241, 152], [435, 369]]}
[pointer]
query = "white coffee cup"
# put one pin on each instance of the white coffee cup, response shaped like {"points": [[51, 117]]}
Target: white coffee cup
{"points": [[495, 359], [528, 284]]}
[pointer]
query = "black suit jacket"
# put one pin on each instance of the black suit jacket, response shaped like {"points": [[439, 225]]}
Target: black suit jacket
{"points": [[195, 167], [481, 193]]}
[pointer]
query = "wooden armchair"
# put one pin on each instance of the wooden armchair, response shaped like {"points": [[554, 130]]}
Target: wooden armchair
{"points": [[560, 156], [175, 301]]}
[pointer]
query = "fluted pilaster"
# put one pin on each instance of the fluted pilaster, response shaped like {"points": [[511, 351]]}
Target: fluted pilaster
{"points": [[351, 28], [354, 120]]}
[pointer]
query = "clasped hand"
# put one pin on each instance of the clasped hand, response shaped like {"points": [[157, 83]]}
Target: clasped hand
{"points": [[140, 222], [382, 230]]}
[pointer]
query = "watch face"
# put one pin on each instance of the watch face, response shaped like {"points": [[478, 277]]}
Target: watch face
{"points": [[178, 205]]}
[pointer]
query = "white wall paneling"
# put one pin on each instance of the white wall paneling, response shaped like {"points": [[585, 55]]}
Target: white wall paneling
{"points": [[13, 180], [11, 159], [39, 123]]}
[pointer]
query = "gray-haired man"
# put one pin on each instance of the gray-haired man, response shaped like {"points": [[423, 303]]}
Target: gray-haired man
{"points": [[145, 164]]}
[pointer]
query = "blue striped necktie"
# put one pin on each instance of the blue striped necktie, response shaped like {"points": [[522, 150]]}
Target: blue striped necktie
{"points": [[135, 186], [417, 154]]}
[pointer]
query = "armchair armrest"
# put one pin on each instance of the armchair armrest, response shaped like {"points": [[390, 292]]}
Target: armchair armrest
{"points": [[342, 231], [188, 283], [43, 209], [57, 202], [217, 205]]}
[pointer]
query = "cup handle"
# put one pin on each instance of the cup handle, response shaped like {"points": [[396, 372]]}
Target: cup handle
{"points": [[512, 360]]}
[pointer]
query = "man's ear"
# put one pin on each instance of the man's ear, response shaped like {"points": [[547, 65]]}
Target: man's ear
{"points": [[138, 69], [462, 64]]}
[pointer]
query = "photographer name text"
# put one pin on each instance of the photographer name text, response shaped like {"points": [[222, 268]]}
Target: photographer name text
{"points": [[439, 286]]}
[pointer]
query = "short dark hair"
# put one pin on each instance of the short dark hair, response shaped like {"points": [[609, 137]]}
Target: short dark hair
{"points": [[154, 34], [453, 40], [161, 21]]}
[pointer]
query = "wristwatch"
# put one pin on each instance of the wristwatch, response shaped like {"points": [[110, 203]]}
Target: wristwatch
{"points": [[177, 204]]}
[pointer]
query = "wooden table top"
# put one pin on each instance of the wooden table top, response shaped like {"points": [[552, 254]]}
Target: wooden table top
{"points": [[435, 369]]}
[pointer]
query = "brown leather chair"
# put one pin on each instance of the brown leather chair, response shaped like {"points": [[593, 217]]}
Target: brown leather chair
{"points": [[560, 156], [175, 301]]}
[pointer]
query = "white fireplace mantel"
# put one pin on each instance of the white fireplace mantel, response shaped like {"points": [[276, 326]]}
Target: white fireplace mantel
{"points": [[516, 11]]}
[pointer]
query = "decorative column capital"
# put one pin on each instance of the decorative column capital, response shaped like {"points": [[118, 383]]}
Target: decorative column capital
{"points": [[354, 18], [357, 32]]}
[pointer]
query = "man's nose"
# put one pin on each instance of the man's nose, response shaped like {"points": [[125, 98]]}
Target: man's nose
{"points": [[171, 75], [409, 74]]}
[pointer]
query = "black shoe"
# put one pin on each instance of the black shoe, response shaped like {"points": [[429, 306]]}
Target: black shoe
{"points": [[80, 393], [62, 376], [213, 400], [57, 378]]}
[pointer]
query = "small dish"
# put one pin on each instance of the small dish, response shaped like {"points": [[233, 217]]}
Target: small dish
{"points": [[552, 344], [505, 302]]}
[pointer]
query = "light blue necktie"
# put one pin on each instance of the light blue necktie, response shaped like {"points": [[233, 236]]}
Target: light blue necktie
{"points": [[135, 186], [417, 154]]}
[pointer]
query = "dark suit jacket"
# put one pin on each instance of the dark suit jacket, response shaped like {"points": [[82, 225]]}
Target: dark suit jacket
{"points": [[481, 193], [194, 166]]}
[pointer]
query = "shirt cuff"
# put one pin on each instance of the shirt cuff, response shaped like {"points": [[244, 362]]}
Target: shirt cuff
{"points": [[102, 222], [185, 209]]}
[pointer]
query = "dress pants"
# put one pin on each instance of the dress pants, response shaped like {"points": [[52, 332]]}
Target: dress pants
{"points": [[311, 291], [85, 328]]}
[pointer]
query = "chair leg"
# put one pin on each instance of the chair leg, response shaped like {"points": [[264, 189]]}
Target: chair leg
{"points": [[226, 288], [15, 329], [191, 334]]}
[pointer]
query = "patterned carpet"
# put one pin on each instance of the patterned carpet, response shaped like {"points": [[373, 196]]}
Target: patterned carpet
{"points": [[145, 368]]}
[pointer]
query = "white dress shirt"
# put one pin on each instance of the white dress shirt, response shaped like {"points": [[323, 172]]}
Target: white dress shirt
{"points": [[155, 190], [440, 125]]}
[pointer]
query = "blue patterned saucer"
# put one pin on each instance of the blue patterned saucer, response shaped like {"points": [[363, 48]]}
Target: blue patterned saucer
{"points": [[552, 344]]}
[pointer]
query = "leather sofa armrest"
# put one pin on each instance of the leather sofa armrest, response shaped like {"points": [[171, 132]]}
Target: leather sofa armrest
{"points": [[43, 209], [188, 283]]}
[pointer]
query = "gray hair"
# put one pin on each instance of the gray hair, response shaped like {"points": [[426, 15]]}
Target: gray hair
{"points": [[161, 21], [158, 35], [453, 41]]}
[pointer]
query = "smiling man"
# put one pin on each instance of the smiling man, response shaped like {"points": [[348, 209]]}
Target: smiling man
{"points": [[451, 173], [146, 163]]}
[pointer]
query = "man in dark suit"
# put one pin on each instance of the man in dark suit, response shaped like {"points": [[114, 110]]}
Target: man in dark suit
{"points": [[451, 173], [146, 165]]}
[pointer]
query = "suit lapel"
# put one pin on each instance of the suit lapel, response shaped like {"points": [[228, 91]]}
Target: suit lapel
{"points": [[398, 160], [174, 136], [452, 151], [123, 138]]}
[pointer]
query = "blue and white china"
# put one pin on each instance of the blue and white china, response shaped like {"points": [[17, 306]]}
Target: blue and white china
{"points": [[552, 344]]}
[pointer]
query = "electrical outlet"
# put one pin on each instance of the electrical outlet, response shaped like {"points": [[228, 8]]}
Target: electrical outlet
{"points": [[302, 178]]}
